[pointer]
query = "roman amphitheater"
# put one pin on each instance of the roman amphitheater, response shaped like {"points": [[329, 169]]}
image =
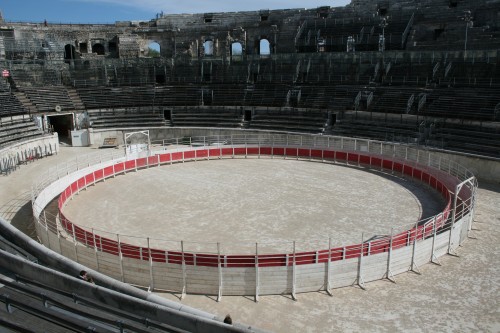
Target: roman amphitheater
{"points": [[303, 170]]}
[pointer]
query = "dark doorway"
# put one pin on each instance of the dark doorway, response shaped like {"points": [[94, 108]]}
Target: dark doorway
{"points": [[63, 125], [248, 115], [207, 97], [69, 52], [160, 79], [334, 118], [167, 114]]}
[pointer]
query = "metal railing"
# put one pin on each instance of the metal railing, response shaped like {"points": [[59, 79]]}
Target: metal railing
{"points": [[256, 263]]}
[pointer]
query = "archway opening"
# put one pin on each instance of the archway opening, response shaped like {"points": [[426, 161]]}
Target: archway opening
{"points": [[264, 47], [69, 52], [98, 48], [236, 51], [208, 48], [154, 50]]}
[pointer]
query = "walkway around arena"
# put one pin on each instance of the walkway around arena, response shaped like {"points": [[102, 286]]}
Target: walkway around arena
{"points": [[461, 295]]}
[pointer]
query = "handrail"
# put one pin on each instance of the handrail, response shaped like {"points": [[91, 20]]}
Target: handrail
{"points": [[410, 102], [407, 30]]}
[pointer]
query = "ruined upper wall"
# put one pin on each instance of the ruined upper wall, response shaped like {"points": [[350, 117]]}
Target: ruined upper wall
{"points": [[436, 25]]}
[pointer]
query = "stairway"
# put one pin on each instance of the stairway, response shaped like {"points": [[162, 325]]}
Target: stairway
{"points": [[25, 101], [75, 99]]}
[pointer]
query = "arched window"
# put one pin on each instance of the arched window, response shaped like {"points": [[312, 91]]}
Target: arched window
{"points": [[154, 50], [98, 48], [264, 47], [236, 50], [208, 48]]}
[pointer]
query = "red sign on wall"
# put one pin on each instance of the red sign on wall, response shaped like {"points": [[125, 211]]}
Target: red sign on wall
{"points": [[5, 73]]}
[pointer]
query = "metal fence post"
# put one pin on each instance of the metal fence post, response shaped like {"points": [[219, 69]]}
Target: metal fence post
{"points": [[414, 266], [327, 284], [434, 258], [219, 294], [361, 282], [74, 241], [389, 274], [183, 293], [95, 250], [151, 275], [46, 228], [120, 257], [294, 297], [257, 282], [453, 217]]}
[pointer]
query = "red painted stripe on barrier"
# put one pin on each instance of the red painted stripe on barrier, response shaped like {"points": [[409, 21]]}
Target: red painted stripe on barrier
{"points": [[141, 162], [164, 158], [417, 173], [352, 157], [214, 152], [240, 261], [108, 171], [189, 154], [329, 155], [352, 251], [152, 160], [203, 153], [176, 156], [292, 152], [130, 165], [158, 255], [398, 167], [379, 246], [208, 260], [240, 151], [304, 258], [278, 151], [341, 156], [119, 167], [408, 170], [265, 150], [253, 151], [227, 151], [363, 159], [425, 177], [109, 246], [376, 162], [304, 153], [387, 164], [317, 153], [98, 175], [89, 179], [271, 260], [130, 251]]}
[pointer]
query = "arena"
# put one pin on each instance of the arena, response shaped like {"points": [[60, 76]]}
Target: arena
{"points": [[277, 156]]}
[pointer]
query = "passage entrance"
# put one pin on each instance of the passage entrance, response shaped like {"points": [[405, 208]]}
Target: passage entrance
{"points": [[62, 124]]}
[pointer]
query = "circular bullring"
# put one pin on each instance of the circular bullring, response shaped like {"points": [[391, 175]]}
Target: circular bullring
{"points": [[238, 202], [184, 266]]}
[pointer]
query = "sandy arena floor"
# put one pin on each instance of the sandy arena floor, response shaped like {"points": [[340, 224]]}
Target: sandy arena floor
{"points": [[238, 202]]}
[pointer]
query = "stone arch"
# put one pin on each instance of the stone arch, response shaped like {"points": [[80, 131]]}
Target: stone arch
{"points": [[98, 48], [154, 49], [69, 52], [236, 50], [264, 47]]}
